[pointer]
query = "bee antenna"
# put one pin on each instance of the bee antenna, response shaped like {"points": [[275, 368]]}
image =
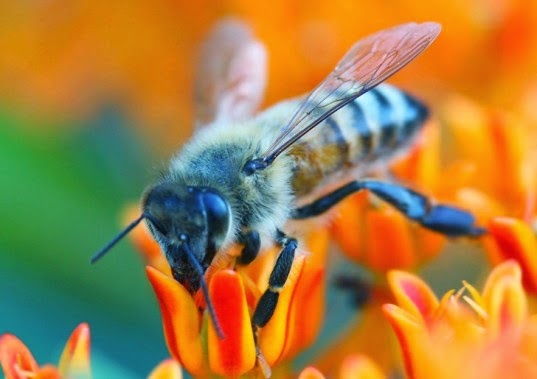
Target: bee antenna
{"points": [[205, 291], [116, 239]]}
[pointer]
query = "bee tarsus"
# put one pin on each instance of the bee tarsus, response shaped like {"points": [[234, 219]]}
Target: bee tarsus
{"points": [[448, 220]]}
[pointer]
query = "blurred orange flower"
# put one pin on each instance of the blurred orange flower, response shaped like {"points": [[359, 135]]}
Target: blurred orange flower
{"points": [[71, 57], [515, 239], [484, 335], [356, 366], [492, 152], [18, 363], [167, 369]]}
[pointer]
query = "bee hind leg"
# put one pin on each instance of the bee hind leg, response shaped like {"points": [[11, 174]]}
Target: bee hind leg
{"points": [[448, 220], [267, 303]]}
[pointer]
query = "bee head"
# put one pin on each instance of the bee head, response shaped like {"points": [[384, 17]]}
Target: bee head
{"points": [[187, 220], [190, 224]]}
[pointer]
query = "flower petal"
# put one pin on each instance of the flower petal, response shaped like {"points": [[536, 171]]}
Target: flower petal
{"points": [[310, 373], [16, 358], [75, 359], [413, 294], [235, 354], [50, 372], [360, 367], [389, 244], [167, 369], [180, 319], [273, 336], [504, 299], [409, 333], [348, 224], [509, 146], [309, 296], [371, 336], [516, 240], [306, 311], [421, 166]]}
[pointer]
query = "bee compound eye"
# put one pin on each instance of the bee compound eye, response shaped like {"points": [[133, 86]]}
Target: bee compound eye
{"points": [[217, 210]]}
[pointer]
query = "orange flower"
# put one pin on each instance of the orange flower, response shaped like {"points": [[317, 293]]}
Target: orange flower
{"points": [[168, 369], [18, 363], [234, 294], [484, 335], [496, 178], [356, 366], [369, 334], [63, 57], [494, 154], [515, 239]]}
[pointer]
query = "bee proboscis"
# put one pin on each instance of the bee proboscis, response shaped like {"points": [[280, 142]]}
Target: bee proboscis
{"points": [[242, 177]]}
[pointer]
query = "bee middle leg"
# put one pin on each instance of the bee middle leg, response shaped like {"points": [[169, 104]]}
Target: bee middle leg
{"points": [[267, 303], [448, 220]]}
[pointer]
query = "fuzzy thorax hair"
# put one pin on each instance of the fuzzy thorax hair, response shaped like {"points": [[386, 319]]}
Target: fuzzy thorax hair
{"points": [[214, 158]]}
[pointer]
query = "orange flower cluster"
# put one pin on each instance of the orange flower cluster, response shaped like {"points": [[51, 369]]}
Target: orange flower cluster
{"points": [[18, 363], [190, 335], [490, 335], [70, 57], [495, 179]]}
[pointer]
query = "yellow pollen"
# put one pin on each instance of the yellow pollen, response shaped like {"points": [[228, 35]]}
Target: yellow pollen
{"points": [[476, 307], [473, 292], [459, 293]]}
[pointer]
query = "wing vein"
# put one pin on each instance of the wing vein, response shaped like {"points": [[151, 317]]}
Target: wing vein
{"points": [[368, 63]]}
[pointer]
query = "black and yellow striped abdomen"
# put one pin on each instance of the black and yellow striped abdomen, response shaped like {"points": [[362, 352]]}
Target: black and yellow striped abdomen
{"points": [[371, 128]]}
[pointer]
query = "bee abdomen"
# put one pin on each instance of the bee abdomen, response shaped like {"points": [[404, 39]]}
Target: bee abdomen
{"points": [[380, 122], [372, 127]]}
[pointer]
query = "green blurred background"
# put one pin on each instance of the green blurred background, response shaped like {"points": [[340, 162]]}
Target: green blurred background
{"points": [[61, 194]]}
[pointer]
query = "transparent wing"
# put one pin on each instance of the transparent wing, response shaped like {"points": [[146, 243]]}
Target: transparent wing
{"points": [[368, 63], [231, 76]]}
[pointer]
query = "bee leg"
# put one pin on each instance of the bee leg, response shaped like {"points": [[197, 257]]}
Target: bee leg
{"points": [[267, 303], [357, 287], [441, 218], [251, 245]]}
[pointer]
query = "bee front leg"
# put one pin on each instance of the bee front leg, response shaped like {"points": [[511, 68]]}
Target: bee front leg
{"points": [[445, 219], [267, 303], [251, 242]]}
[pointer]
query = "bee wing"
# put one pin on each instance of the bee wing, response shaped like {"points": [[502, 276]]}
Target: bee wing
{"points": [[232, 74], [369, 62]]}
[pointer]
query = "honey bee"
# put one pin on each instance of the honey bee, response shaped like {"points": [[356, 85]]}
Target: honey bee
{"points": [[242, 177]]}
